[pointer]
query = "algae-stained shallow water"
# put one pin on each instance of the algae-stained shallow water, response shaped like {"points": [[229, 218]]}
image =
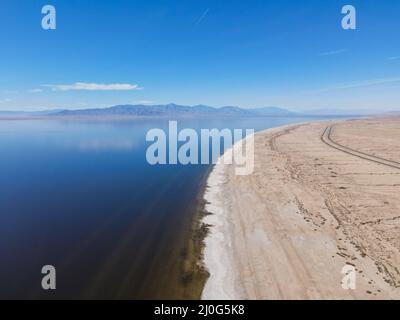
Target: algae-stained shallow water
{"points": [[81, 196]]}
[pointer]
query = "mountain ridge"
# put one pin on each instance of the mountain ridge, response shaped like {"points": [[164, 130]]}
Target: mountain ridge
{"points": [[176, 110], [170, 109]]}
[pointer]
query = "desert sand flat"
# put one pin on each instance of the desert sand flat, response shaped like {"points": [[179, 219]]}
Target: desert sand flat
{"points": [[309, 209]]}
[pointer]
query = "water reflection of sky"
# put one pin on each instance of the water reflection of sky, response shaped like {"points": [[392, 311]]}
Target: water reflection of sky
{"points": [[81, 196]]}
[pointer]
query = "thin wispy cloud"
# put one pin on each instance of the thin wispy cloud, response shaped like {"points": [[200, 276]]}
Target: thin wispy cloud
{"points": [[202, 17], [82, 104], [332, 53], [5, 100], [361, 84], [35, 90], [9, 91], [394, 58], [93, 86], [145, 102]]}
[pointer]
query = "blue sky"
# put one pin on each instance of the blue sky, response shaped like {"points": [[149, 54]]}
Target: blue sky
{"points": [[292, 54]]}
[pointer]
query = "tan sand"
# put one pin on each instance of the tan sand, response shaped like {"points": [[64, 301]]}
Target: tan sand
{"points": [[287, 230]]}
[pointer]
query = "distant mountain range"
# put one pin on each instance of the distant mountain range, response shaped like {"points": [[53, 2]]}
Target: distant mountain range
{"points": [[174, 110], [154, 110]]}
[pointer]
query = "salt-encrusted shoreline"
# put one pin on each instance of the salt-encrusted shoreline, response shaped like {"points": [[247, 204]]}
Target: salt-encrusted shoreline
{"points": [[218, 256], [218, 252]]}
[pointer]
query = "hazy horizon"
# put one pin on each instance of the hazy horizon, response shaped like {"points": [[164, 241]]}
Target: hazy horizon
{"points": [[322, 111]]}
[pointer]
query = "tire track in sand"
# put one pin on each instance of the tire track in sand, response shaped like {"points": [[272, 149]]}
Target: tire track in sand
{"points": [[326, 138]]}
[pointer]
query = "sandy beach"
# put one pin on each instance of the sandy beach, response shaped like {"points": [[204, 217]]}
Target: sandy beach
{"points": [[322, 196]]}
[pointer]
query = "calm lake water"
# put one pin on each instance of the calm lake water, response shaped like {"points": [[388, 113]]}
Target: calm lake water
{"points": [[81, 196]]}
